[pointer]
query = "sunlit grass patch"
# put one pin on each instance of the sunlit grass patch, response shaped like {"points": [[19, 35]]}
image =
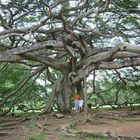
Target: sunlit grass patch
{"points": [[63, 137]]}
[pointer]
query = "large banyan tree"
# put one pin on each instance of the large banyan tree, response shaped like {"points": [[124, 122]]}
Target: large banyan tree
{"points": [[74, 37]]}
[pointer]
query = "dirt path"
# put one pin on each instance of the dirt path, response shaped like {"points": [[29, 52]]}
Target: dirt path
{"points": [[131, 129], [120, 123]]}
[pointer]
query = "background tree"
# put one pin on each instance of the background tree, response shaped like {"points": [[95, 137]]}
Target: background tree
{"points": [[73, 38], [116, 88]]}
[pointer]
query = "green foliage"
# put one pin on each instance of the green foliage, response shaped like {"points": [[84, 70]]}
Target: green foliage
{"points": [[37, 94], [65, 5], [114, 91], [133, 21], [130, 5], [10, 78]]}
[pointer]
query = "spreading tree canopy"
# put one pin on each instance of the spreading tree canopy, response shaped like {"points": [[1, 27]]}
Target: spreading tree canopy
{"points": [[73, 37]]}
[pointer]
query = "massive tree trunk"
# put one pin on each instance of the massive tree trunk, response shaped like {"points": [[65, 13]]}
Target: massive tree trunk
{"points": [[62, 91], [64, 95]]}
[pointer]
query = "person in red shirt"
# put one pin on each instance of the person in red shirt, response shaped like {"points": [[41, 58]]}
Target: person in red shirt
{"points": [[76, 103]]}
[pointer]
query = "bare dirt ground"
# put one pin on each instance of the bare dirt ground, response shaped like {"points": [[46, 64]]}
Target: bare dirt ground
{"points": [[120, 124]]}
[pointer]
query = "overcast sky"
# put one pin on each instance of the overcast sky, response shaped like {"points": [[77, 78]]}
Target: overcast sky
{"points": [[4, 1]]}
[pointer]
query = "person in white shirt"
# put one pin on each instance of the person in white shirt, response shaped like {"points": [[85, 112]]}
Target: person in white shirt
{"points": [[80, 102]]}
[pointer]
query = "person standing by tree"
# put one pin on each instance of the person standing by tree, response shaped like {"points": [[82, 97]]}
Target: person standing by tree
{"points": [[80, 104], [76, 102]]}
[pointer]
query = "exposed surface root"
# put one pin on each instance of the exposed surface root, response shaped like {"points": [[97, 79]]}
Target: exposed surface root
{"points": [[122, 125]]}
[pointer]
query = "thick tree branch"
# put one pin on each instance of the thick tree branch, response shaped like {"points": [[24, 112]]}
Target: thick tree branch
{"points": [[52, 62], [109, 55], [15, 54], [105, 65]]}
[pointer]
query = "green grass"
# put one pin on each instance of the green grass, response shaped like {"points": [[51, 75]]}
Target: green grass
{"points": [[62, 137], [97, 138], [22, 113], [40, 136], [125, 119]]}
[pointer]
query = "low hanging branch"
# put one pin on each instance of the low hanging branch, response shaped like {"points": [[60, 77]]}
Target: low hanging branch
{"points": [[20, 94], [49, 77], [55, 90], [24, 82]]}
